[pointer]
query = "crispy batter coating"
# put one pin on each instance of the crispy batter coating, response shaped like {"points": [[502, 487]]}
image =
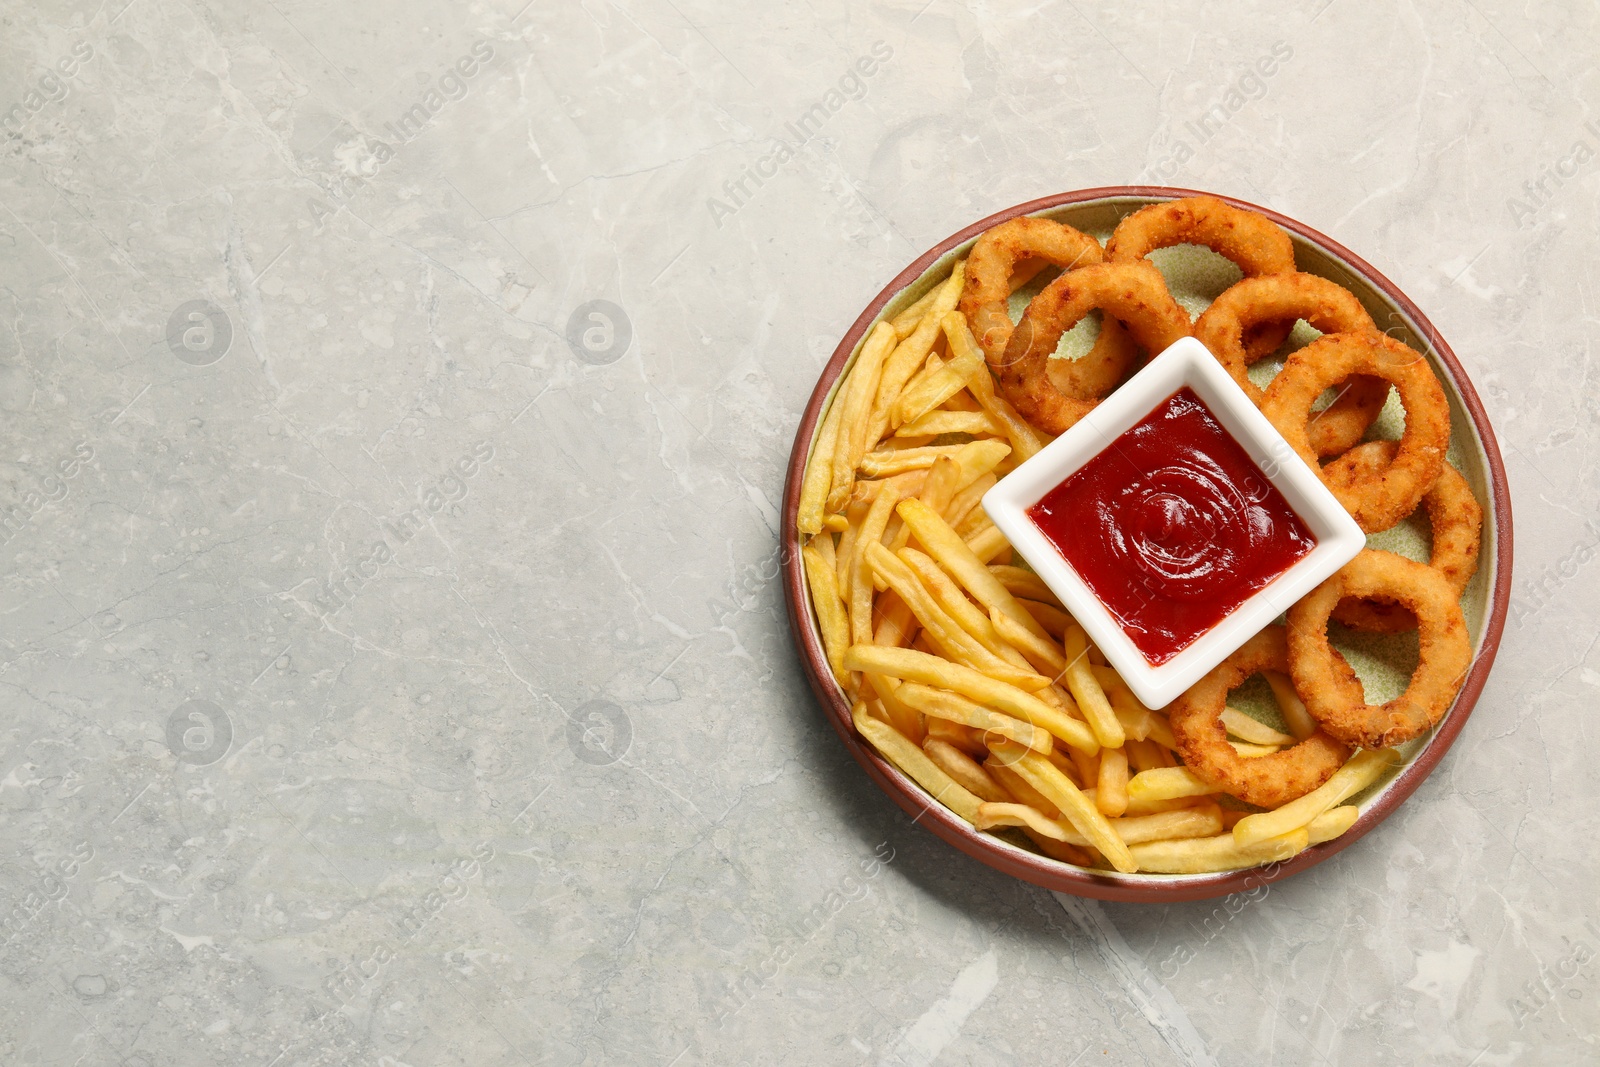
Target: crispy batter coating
{"points": [[1331, 308], [1054, 394], [1328, 685], [1266, 781], [1454, 513], [997, 254], [1385, 497], [1256, 245]]}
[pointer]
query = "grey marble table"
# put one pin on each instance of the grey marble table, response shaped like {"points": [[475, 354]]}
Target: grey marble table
{"points": [[392, 669]]}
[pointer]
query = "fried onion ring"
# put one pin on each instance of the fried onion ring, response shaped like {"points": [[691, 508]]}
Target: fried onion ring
{"points": [[1255, 244], [1454, 513], [994, 259], [1054, 394], [1328, 307], [1330, 688], [1383, 499], [1266, 781]]}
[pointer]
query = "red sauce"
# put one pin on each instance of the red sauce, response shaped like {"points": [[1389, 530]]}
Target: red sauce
{"points": [[1173, 526]]}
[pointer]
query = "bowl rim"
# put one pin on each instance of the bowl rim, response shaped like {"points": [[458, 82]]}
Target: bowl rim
{"points": [[1041, 870]]}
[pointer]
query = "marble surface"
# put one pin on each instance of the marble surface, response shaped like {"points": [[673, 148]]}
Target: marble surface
{"points": [[393, 666]]}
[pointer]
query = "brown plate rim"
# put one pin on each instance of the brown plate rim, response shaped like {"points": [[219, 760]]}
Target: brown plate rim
{"points": [[1041, 870]]}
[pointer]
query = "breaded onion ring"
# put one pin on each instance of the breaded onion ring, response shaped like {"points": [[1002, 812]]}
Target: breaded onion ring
{"points": [[1330, 688], [1328, 307], [1454, 513], [1054, 394], [994, 259], [1387, 496], [1266, 781], [1255, 244]]}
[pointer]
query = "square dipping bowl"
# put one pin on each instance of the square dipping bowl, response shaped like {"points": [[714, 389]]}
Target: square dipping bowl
{"points": [[1186, 364]]}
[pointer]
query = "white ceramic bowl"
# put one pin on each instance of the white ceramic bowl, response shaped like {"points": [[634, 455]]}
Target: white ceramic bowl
{"points": [[1186, 363]]}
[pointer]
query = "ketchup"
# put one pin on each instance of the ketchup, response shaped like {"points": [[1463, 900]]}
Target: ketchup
{"points": [[1173, 526]]}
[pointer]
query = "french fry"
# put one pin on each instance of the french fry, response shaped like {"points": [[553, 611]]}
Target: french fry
{"points": [[845, 554], [978, 458], [1204, 821], [1053, 619], [952, 553], [1360, 771], [1112, 682], [1073, 805], [944, 478], [851, 441], [988, 544], [965, 738], [912, 352], [1168, 783], [1043, 654], [1156, 807], [819, 475], [1293, 709], [1204, 855], [941, 484], [1161, 736], [1248, 751], [908, 484], [824, 545], [1058, 697], [1085, 689], [946, 421], [1062, 758], [1086, 768], [943, 378], [899, 460], [1018, 786], [1201, 820], [1024, 583], [965, 770], [835, 524], [1254, 731], [941, 704], [973, 525], [1024, 438], [992, 814], [832, 619], [962, 402], [895, 711], [1332, 823], [1143, 756], [945, 633], [908, 319], [898, 750], [896, 624], [949, 596], [1139, 723], [967, 499], [1112, 784], [913, 666], [870, 535]]}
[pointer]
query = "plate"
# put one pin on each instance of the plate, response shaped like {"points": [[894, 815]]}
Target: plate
{"points": [[1195, 276]]}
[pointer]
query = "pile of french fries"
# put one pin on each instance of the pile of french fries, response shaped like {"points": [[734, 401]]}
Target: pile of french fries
{"points": [[963, 670]]}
